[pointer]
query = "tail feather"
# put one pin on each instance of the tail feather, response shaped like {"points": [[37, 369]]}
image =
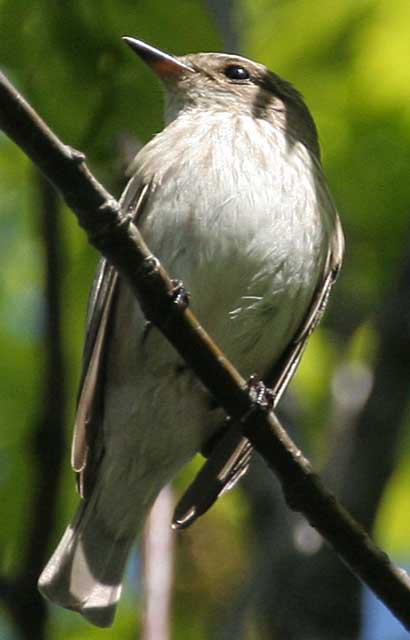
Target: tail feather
{"points": [[85, 572]]}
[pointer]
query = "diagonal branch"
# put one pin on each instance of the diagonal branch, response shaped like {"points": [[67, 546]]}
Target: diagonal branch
{"points": [[114, 234]]}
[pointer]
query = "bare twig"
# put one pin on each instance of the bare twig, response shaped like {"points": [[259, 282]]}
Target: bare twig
{"points": [[226, 16], [118, 239], [158, 567]]}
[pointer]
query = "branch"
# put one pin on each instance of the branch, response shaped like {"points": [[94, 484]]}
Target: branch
{"points": [[158, 569], [226, 17], [114, 234]]}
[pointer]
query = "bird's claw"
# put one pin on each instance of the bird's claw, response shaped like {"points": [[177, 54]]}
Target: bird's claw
{"points": [[179, 293], [262, 396]]}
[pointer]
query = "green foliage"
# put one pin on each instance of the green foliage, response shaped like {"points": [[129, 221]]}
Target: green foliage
{"points": [[350, 59]]}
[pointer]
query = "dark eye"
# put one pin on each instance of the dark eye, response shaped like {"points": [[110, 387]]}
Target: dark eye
{"points": [[235, 72]]}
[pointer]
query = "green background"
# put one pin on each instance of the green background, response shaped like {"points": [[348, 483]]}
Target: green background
{"points": [[350, 59]]}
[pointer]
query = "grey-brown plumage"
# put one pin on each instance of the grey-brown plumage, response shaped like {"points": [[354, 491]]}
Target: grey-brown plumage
{"points": [[231, 198]]}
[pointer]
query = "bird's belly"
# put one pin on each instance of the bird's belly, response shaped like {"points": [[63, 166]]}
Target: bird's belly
{"points": [[157, 414], [239, 220], [251, 262], [251, 269]]}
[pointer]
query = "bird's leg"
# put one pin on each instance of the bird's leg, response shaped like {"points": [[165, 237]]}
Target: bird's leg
{"points": [[262, 396], [180, 294]]}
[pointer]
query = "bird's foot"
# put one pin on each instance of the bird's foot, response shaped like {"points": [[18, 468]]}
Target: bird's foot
{"points": [[262, 396], [180, 294]]}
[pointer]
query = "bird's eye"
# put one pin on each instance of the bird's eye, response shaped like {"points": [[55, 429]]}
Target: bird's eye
{"points": [[236, 72]]}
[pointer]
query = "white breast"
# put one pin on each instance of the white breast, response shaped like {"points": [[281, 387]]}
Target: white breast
{"points": [[236, 216]]}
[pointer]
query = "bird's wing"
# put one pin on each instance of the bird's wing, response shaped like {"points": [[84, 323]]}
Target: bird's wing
{"points": [[87, 446], [230, 456]]}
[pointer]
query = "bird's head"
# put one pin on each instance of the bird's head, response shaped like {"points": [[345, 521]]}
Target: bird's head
{"points": [[231, 83]]}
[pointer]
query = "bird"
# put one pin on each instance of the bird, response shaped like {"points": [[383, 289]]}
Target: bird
{"points": [[231, 197]]}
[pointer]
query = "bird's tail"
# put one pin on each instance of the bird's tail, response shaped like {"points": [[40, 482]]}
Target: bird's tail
{"points": [[86, 570]]}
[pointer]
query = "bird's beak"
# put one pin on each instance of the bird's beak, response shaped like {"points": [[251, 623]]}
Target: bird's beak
{"points": [[164, 65]]}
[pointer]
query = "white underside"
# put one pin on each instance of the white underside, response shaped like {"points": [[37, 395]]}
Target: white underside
{"points": [[250, 250]]}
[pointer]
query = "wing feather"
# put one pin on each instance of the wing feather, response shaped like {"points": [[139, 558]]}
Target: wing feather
{"points": [[87, 443]]}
